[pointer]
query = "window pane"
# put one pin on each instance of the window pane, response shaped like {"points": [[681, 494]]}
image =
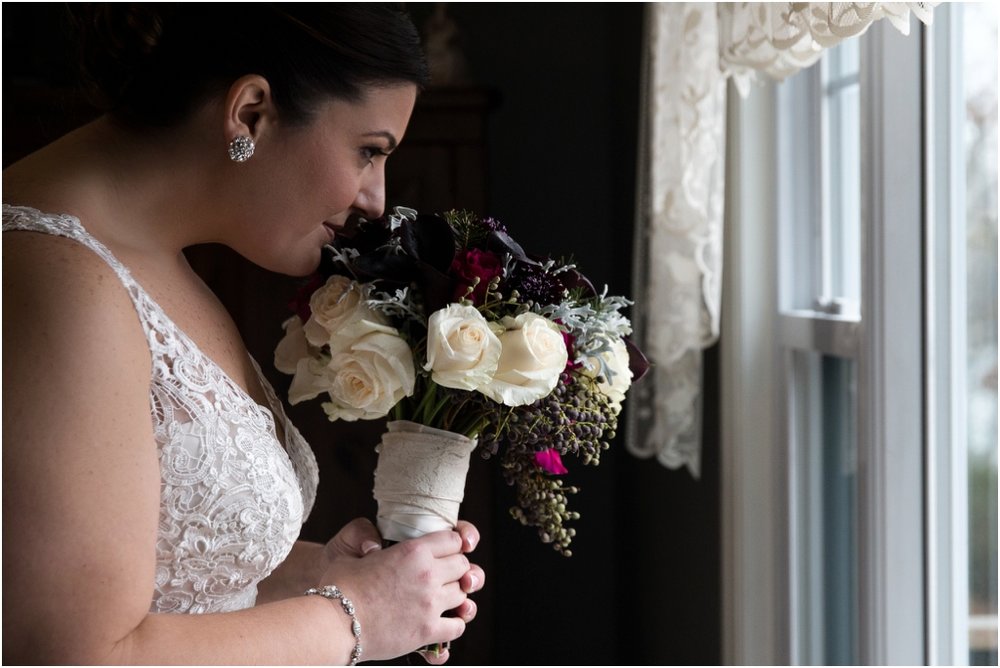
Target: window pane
{"points": [[842, 180], [824, 397], [980, 72]]}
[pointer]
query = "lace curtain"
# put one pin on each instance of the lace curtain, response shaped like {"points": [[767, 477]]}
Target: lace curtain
{"points": [[691, 51]]}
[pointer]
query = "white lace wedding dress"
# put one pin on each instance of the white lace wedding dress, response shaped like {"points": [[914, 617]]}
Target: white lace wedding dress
{"points": [[232, 499]]}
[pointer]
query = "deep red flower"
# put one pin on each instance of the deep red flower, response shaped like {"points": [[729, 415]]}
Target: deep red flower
{"points": [[570, 342], [470, 265], [300, 302], [550, 461]]}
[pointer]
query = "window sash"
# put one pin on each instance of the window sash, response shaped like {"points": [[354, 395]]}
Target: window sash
{"points": [[891, 380], [768, 318]]}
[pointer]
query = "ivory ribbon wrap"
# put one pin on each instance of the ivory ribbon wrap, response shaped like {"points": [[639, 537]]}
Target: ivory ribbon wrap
{"points": [[420, 479]]}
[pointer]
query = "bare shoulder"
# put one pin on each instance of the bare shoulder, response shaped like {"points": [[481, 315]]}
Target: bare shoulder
{"points": [[81, 475], [68, 324], [50, 280]]}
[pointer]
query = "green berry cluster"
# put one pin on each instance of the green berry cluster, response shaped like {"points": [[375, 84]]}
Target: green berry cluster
{"points": [[574, 418], [541, 502]]}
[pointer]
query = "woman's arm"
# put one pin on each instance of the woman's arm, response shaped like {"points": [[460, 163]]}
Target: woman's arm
{"points": [[81, 502], [307, 562], [301, 570]]}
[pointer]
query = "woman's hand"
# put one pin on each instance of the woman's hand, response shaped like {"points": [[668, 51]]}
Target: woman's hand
{"points": [[402, 592], [356, 539], [471, 582]]}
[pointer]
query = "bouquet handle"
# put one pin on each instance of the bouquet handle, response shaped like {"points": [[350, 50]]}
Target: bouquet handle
{"points": [[420, 479], [419, 483]]}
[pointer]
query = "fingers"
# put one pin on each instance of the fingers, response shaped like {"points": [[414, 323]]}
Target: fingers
{"points": [[454, 568], [356, 539], [464, 537], [442, 543], [469, 534], [435, 658], [473, 579], [448, 629], [466, 610], [438, 653]]}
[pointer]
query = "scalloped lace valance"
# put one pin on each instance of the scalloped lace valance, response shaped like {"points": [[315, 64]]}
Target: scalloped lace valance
{"points": [[691, 50]]}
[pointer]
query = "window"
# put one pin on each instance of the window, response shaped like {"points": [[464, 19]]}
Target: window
{"points": [[980, 69], [862, 294], [819, 279], [962, 327]]}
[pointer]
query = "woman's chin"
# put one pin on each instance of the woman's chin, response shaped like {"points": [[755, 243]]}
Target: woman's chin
{"points": [[300, 265], [304, 269]]}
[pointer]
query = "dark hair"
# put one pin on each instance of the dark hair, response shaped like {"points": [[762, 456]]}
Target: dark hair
{"points": [[151, 65]]}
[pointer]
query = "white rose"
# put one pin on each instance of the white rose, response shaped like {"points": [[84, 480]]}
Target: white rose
{"points": [[312, 377], [462, 348], [532, 357], [370, 375], [337, 304], [615, 361], [292, 347]]}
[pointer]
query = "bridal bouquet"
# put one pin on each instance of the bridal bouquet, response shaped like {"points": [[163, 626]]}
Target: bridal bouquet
{"points": [[445, 325]]}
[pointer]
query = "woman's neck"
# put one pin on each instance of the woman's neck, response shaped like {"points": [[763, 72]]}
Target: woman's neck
{"points": [[138, 191]]}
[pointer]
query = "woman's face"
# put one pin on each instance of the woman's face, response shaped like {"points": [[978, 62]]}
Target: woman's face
{"points": [[308, 180]]}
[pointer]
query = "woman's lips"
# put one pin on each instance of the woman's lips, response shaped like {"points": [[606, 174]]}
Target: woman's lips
{"points": [[332, 230]]}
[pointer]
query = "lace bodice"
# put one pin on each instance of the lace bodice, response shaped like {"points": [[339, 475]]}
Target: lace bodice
{"points": [[232, 499]]}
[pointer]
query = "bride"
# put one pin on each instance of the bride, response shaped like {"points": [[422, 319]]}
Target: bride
{"points": [[153, 487]]}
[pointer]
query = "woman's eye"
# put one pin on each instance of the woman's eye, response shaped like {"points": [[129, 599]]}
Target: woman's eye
{"points": [[369, 153]]}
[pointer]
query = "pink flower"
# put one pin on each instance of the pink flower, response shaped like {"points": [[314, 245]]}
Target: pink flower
{"points": [[550, 461], [570, 342], [469, 266]]}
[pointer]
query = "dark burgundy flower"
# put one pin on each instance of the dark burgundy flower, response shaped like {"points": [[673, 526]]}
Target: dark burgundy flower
{"points": [[534, 284], [470, 265], [570, 342], [300, 302]]}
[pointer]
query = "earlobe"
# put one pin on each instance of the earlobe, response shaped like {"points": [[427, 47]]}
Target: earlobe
{"points": [[249, 108]]}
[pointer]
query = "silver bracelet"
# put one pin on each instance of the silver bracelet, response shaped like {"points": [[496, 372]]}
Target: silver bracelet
{"points": [[331, 592]]}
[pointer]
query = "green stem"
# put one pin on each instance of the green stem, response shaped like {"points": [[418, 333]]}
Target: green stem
{"points": [[438, 407], [451, 414], [421, 408], [477, 427]]}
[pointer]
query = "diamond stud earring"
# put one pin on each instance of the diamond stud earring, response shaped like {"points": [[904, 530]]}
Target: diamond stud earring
{"points": [[241, 148]]}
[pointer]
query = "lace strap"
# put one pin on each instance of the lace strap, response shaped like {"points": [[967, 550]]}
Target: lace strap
{"points": [[27, 219]]}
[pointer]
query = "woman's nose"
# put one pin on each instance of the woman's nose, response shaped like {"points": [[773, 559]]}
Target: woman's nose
{"points": [[371, 198]]}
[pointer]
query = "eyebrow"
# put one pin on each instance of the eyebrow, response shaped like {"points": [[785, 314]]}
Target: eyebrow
{"points": [[385, 134]]}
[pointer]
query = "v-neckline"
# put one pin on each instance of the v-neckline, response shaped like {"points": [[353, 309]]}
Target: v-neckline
{"points": [[267, 412]]}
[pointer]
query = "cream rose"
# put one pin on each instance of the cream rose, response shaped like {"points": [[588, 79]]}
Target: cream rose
{"points": [[616, 362], [370, 375], [533, 354], [312, 377], [462, 348], [334, 306], [292, 347]]}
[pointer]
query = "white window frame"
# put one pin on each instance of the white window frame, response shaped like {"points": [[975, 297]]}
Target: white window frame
{"points": [[947, 463], [759, 623]]}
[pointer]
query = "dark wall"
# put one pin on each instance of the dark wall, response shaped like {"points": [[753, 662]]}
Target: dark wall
{"points": [[643, 584]]}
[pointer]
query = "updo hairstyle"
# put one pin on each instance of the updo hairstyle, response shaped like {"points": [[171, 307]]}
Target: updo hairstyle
{"points": [[151, 65]]}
